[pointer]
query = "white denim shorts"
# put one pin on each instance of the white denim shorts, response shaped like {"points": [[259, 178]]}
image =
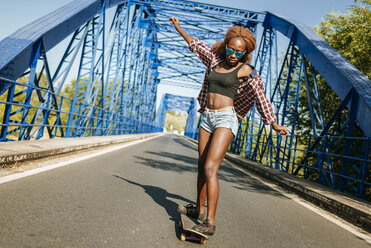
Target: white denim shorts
{"points": [[213, 119]]}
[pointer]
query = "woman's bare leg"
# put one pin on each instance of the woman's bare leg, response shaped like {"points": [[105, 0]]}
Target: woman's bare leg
{"points": [[220, 142], [204, 140]]}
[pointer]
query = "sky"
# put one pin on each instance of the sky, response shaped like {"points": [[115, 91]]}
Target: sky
{"points": [[309, 12], [18, 13]]}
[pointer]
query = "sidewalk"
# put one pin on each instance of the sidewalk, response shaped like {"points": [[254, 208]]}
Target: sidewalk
{"points": [[353, 210], [20, 151]]}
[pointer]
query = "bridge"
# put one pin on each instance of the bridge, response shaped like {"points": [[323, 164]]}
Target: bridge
{"points": [[103, 192]]}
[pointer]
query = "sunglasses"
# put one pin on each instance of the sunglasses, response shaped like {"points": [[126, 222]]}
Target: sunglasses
{"points": [[230, 51]]}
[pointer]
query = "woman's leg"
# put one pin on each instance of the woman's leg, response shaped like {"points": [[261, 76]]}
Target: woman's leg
{"points": [[220, 142], [204, 141]]}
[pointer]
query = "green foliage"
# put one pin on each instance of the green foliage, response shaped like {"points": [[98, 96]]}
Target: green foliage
{"points": [[175, 121], [69, 89], [350, 34]]}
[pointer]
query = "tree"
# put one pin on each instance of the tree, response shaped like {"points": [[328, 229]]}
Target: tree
{"points": [[175, 121], [350, 34]]}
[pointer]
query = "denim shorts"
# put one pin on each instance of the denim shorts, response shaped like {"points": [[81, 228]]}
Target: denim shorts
{"points": [[213, 119]]}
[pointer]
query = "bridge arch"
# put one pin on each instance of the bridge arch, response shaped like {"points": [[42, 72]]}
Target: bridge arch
{"points": [[120, 65]]}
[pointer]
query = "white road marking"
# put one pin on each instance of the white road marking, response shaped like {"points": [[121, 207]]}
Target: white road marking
{"points": [[70, 161], [347, 226]]}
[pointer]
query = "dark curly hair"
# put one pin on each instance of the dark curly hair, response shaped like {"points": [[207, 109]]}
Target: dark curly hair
{"points": [[234, 32]]}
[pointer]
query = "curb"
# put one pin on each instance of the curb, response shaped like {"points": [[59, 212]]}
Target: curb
{"points": [[67, 146], [353, 210]]}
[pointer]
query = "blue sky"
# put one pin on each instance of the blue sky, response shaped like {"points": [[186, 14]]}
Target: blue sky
{"points": [[17, 13], [309, 12]]}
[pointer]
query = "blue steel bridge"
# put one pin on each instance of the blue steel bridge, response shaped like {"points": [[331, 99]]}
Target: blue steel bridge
{"points": [[120, 59]]}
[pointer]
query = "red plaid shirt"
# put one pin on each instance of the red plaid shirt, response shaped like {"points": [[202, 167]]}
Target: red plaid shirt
{"points": [[249, 91]]}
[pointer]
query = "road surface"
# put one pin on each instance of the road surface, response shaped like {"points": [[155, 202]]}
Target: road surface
{"points": [[129, 197]]}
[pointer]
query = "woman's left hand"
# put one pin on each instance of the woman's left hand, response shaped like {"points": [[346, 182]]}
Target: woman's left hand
{"points": [[280, 129]]}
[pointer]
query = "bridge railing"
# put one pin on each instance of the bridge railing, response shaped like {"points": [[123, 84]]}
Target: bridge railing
{"points": [[25, 118], [323, 161]]}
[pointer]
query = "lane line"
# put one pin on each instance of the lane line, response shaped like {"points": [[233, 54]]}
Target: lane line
{"points": [[347, 226], [74, 160]]}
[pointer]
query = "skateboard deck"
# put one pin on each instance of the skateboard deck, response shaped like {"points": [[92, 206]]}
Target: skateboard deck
{"points": [[186, 223]]}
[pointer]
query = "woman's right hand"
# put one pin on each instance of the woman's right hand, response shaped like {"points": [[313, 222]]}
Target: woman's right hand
{"points": [[175, 22], [177, 27]]}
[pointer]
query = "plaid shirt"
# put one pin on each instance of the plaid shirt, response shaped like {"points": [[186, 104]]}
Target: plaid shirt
{"points": [[249, 92]]}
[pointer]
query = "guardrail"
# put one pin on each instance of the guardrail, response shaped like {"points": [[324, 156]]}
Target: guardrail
{"points": [[23, 120]]}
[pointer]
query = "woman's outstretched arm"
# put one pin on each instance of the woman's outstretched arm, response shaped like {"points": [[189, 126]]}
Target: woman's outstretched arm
{"points": [[203, 52], [177, 27]]}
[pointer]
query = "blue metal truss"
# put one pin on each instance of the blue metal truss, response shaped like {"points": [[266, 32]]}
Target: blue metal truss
{"points": [[289, 104], [266, 64], [89, 81], [113, 94], [302, 66], [120, 68]]}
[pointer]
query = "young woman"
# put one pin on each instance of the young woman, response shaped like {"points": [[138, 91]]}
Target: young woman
{"points": [[230, 88]]}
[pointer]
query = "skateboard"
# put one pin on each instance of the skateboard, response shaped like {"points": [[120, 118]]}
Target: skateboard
{"points": [[185, 224]]}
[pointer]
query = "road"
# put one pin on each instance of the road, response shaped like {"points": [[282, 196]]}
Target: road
{"points": [[129, 197]]}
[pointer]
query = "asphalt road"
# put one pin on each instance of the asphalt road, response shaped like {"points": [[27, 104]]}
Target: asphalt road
{"points": [[129, 197]]}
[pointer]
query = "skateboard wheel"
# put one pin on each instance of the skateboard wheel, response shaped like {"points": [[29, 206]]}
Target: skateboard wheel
{"points": [[180, 224], [182, 237], [203, 240]]}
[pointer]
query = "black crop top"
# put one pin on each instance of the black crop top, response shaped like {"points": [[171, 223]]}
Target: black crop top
{"points": [[225, 84]]}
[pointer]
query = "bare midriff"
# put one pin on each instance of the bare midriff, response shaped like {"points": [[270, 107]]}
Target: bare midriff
{"points": [[218, 101]]}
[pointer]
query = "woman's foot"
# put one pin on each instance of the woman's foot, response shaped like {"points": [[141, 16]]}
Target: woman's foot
{"points": [[190, 210], [205, 228]]}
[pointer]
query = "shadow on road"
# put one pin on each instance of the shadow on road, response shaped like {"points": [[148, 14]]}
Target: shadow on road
{"points": [[186, 143], [179, 163], [182, 163], [161, 197]]}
